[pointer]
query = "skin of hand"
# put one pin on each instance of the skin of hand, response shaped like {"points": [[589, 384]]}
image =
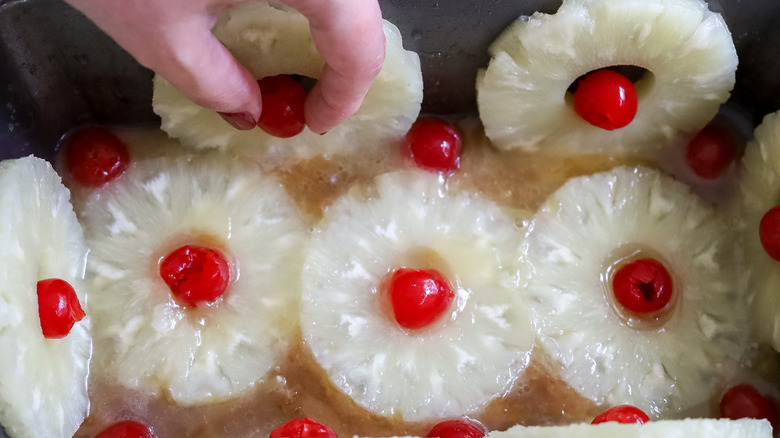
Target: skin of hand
{"points": [[173, 38]]}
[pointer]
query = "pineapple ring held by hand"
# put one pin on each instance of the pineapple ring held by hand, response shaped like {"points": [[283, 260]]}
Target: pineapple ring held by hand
{"points": [[43, 382], [592, 222], [760, 189], [686, 49], [271, 40], [710, 428], [145, 337], [456, 365]]}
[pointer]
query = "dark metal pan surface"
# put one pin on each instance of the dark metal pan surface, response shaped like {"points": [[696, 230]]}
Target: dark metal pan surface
{"points": [[59, 71]]}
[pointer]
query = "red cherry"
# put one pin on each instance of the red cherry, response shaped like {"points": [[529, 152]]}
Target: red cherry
{"points": [[711, 152], [283, 100], [94, 156], [625, 414], [305, 428], [58, 308], [743, 401], [461, 428], [419, 296], [195, 274], [642, 286], [769, 232], [126, 429], [606, 99], [434, 145]]}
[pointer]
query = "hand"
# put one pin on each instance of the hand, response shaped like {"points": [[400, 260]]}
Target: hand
{"points": [[173, 38]]}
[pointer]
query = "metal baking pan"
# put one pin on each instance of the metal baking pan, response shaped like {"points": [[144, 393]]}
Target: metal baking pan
{"points": [[58, 70]]}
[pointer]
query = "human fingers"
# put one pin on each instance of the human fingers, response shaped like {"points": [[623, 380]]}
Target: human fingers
{"points": [[349, 36], [174, 39], [206, 72]]}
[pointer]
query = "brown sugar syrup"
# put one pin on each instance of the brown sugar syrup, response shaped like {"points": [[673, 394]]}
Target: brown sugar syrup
{"points": [[517, 181]]}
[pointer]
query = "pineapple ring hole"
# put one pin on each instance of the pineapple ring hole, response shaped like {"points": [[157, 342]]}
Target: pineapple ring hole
{"points": [[307, 82], [621, 257], [418, 258], [642, 78], [194, 238]]}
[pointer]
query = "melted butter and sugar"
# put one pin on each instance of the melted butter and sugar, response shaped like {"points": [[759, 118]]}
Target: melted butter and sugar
{"points": [[298, 387], [518, 181]]}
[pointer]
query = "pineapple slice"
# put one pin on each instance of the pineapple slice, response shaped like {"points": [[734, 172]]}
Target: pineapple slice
{"points": [[139, 144], [663, 363], [687, 428], [271, 40], [760, 191], [452, 367], [43, 382], [686, 49], [146, 338]]}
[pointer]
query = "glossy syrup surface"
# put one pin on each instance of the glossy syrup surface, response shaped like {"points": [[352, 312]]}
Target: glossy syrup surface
{"points": [[518, 181]]}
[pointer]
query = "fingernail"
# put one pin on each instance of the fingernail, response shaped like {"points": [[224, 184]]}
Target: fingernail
{"points": [[242, 121], [323, 133]]}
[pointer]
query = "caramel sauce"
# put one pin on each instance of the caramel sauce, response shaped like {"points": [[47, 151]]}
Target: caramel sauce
{"points": [[523, 180], [317, 182], [298, 387]]}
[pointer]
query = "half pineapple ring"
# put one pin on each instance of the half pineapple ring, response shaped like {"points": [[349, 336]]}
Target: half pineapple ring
{"points": [[593, 225], [688, 428], [146, 338], [686, 49], [456, 365], [271, 40], [760, 191], [43, 382]]}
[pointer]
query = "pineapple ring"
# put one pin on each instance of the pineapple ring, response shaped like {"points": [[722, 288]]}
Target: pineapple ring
{"points": [[142, 337], [43, 382], [760, 190], [689, 427], [687, 50], [576, 235], [271, 40], [141, 144], [446, 370]]}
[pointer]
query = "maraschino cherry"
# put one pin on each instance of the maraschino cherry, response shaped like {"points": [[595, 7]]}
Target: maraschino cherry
{"points": [[606, 99], [195, 274], [126, 429], [434, 145], [283, 102], [305, 428], [625, 414], [643, 286], [769, 232], [460, 428], [419, 297], [58, 308], [744, 401], [95, 157], [710, 152]]}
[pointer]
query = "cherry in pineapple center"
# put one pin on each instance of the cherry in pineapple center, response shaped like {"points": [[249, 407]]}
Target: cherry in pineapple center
{"points": [[196, 274]]}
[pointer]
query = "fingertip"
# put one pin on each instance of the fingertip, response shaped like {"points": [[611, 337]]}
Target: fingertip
{"points": [[208, 74], [333, 100], [242, 121], [349, 35], [321, 116]]}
